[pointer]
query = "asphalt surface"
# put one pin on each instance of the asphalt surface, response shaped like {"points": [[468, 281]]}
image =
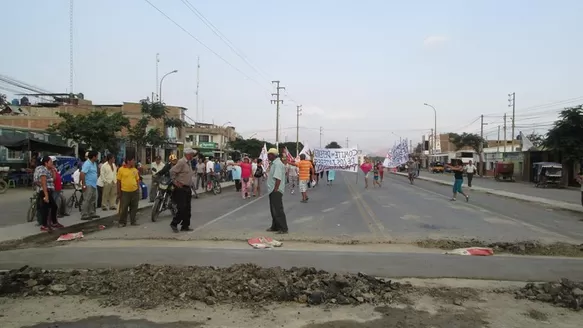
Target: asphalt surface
{"points": [[346, 212], [569, 195]]}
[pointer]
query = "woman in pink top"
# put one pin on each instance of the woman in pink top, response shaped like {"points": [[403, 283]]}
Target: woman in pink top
{"points": [[246, 169], [366, 167]]}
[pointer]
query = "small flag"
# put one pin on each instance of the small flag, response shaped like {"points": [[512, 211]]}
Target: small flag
{"points": [[288, 156]]}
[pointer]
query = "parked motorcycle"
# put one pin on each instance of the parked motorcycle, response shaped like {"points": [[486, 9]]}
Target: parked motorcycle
{"points": [[163, 200]]}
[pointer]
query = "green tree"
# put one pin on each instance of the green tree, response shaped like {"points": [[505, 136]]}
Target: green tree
{"points": [[140, 135], [333, 145], [249, 146], [471, 140], [98, 129], [536, 139], [566, 136]]}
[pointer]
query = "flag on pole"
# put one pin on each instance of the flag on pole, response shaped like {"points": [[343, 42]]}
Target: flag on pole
{"points": [[306, 151], [263, 157], [288, 156]]}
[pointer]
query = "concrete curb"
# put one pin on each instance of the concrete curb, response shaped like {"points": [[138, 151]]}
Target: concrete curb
{"points": [[531, 199], [84, 226]]}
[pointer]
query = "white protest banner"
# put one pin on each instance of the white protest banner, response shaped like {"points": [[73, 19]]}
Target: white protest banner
{"points": [[340, 159]]}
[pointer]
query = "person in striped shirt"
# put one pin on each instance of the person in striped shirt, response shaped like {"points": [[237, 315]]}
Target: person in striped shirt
{"points": [[304, 167]]}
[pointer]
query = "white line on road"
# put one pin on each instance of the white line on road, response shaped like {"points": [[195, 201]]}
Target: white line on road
{"points": [[304, 219], [345, 202], [226, 214], [328, 209]]}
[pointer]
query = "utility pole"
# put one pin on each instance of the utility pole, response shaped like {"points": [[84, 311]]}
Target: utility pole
{"points": [[433, 143], [498, 142], [71, 48], [321, 132], [298, 114], [197, 84], [347, 142], [157, 79], [504, 132], [511, 101], [277, 101], [481, 148]]}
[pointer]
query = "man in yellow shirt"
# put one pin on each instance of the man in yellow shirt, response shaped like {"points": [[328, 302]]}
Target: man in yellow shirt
{"points": [[128, 192]]}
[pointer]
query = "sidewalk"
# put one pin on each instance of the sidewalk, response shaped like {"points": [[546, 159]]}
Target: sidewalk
{"points": [[566, 199], [24, 232]]}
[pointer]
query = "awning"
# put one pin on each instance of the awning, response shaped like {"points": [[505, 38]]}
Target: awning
{"points": [[22, 142]]}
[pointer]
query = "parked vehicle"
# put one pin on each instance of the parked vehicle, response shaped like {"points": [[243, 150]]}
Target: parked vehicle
{"points": [[547, 174], [436, 167], [504, 171], [163, 200]]}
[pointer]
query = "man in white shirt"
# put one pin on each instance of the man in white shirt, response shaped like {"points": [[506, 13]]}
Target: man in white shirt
{"points": [[210, 169], [470, 171]]}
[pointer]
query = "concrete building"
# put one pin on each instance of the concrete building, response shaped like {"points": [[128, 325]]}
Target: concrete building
{"points": [[38, 117], [210, 140]]}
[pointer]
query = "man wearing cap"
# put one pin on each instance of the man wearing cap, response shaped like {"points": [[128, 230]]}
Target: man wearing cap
{"points": [[181, 175], [276, 188]]}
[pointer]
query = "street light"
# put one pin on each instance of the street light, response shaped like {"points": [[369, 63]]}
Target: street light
{"points": [[434, 128], [162, 80]]}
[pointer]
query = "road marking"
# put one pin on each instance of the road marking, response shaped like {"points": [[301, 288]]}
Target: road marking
{"points": [[304, 219], [496, 220], [359, 207], [226, 215], [410, 217], [519, 222], [328, 209], [345, 202], [371, 214]]}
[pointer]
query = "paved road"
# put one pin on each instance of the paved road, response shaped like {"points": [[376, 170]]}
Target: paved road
{"points": [[379, 264], [347, 212], [569, 195]]}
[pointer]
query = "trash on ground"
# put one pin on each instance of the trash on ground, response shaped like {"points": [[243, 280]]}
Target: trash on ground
{"points": [[473, 251], [263, 242], [71, 236]]}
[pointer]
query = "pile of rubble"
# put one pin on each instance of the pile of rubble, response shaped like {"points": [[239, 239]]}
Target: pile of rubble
{"points": [[565, 293], [520, 248], [147, 286]]}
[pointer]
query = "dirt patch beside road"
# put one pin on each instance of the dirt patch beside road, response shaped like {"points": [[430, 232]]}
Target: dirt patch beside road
{"points": [[518, 248]]}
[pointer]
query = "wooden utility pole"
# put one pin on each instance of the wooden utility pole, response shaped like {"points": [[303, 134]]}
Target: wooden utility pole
{"points": [[505, 133], [498, 140], [298, 113], [277, 101], [511, 101], [321, 132], [347, 142]]}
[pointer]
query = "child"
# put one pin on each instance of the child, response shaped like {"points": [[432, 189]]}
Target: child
{"points": [[331, 175], [375, 172]]}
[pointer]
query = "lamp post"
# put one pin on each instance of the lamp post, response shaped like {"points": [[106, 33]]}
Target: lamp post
{"points": [[434, 128], [162, 80]]}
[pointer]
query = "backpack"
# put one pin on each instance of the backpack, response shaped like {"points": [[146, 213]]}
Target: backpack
{"points": [[258, 172]]}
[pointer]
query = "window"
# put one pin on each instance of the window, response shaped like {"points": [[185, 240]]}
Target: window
{"points": [[15, 154], [204, 138]]}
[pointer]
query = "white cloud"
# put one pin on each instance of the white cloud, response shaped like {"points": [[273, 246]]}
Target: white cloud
{"points": [[434, 40]]}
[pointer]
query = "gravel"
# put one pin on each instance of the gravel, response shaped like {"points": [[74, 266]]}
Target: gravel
{"points": [[565, 293], [147, 286]]}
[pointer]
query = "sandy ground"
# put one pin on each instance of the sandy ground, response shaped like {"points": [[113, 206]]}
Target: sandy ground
{"points": [[453, 303]]}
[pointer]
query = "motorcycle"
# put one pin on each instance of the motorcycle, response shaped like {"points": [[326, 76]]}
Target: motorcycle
{"points": [[163, 200]]}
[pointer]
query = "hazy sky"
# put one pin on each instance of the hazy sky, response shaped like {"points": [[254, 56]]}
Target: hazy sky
{"points": [[361, 69]]}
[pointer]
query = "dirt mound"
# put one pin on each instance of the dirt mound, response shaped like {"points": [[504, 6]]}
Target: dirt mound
{"points": [[519, 248], [147, 286], [565, 293]]}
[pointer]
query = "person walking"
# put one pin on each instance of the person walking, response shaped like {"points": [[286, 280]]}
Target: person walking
{"points": [[258, 176], [276, 189], [181, 175], [412, 170], [156, 167], [88, 181], [458, 172], [200, 173], [109, 178], [44, 181], [470, 171], [366, 167], [292, 174], [236, 175], [128, 192], [246, 173], [306, 172], [99, 183]]}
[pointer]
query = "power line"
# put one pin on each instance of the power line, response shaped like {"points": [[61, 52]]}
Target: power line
{"points": [[204, 45], [223, 38]]}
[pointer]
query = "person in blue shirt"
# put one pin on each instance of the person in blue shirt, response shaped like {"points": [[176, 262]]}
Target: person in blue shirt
{"points": [[236, 172], [88, 181], [218, 170]]}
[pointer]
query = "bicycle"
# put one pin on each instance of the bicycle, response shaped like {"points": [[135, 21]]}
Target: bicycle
{"points": [[3, 183], [31, 214], [213, 185], [74, 201]]}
